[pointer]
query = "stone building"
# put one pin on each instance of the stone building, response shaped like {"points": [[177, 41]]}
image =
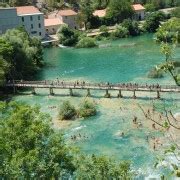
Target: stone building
{"points": [[139, 12], [32, 19], [52, 25], [8, 19], [67, 16], [28, 16]]}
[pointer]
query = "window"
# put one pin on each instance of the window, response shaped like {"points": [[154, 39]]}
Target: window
{"points": [[40, 33], [39, 25], [31, 18], [31, 26], [22, 19], [39, 17], [33, 32], [66, 17]]}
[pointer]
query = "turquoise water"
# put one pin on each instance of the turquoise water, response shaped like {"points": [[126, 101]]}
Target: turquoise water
{"points": [[126, 60]]}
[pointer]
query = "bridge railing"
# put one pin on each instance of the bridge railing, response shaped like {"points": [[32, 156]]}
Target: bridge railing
{"points": [[76, 84]]}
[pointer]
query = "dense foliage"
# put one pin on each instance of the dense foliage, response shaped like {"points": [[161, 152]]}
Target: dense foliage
{"points": [[120, 32], [176, 12], [131, 26], [169, 31], [87, 109], [119, 10], [3, 70], [22, 54], [86, 42], [67, 36], [67, 111], [93, 167], [153, 21], [31, 149]]}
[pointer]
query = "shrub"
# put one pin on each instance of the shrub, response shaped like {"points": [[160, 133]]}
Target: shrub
{"points": [[104, 31], [87, 109], [176, 12], [154, 73], [153, 21], [132, 27], [67, 111], [150, 7], [86, 42], [120, 32]]}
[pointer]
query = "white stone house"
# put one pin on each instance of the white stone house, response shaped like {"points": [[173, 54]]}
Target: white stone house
{"points": [[32, 20], [8, 19], [67, 16], [139, 12], [52, 25]]}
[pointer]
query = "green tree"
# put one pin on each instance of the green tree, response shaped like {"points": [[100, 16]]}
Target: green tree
{"points": [[67, 111], [86, 13], [169, 31], [120, 32], [24, 54], [153, 21], [176, 12], [67, 36], [119, 10], [30, 148], [132, 27], [94, 167], [3, 70], [86, 42], [87, 109]]}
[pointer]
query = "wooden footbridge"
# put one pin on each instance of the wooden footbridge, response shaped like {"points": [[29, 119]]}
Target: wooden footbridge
{"points": [[57, 84]]}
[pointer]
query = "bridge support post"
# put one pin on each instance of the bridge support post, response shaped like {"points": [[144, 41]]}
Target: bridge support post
{"points": [[71, 92], [33, 91], [134, 94], [88, 93], [120, 94], [107, 95], [51, 91], [158, 95]]}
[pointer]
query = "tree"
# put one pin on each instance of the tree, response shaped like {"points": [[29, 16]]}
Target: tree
{"points": [[169, 31], [168, 66], [3, 70], [67, 111], [24, 54], [86, 13], [153, 21], [87, 109], [86, 42], [132, 27], [30, 148], [120, 32], [67, 36], [119, 10], [176, 12], [94, 167]]}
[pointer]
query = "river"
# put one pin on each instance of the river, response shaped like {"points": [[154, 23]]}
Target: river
{"points": [[125, 60]]}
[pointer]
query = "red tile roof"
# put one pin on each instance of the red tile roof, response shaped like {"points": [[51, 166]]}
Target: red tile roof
{"points": [[67, 12], [52, 22], [27, 10], [100, 13], [138, 7]]}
